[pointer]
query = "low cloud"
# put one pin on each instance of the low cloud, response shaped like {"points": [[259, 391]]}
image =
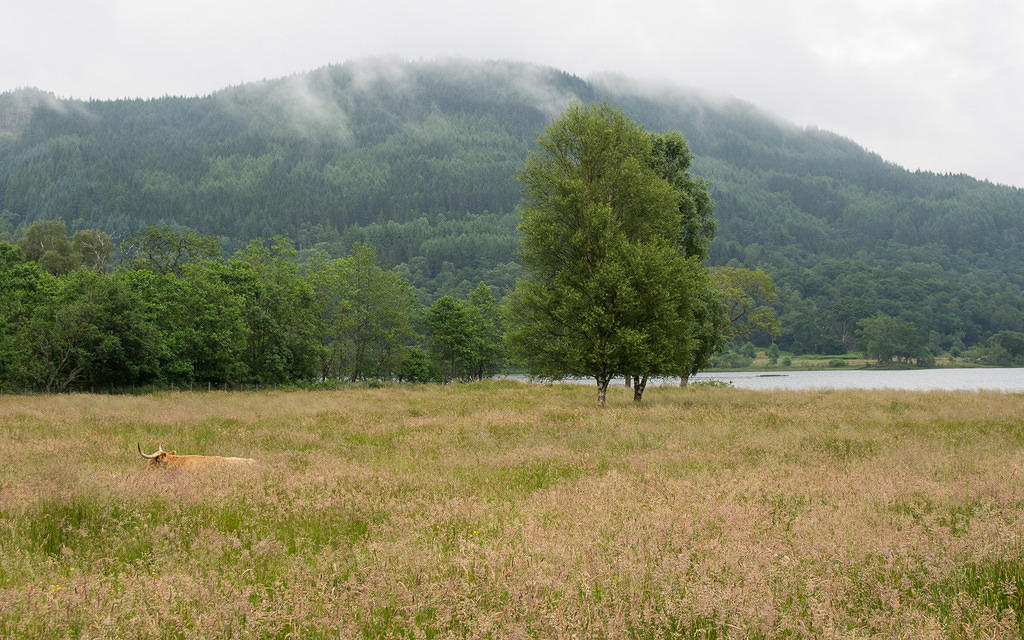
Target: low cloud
{"points": [[302, 104], [17, 107]]}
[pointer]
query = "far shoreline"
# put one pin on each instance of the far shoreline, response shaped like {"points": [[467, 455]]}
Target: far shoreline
{"points": [[849, 363]]}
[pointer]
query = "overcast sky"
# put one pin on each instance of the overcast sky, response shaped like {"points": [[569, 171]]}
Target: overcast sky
{"points": [[928, 84]]}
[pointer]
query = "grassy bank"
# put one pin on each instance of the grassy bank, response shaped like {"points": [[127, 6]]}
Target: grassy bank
{"points": [[510, 510]]}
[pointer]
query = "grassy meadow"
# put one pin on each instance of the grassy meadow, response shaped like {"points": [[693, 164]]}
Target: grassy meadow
{"points": [[509, 510]]}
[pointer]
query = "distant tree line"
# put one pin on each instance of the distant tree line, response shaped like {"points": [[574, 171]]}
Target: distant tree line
{"points": [[175, 313]]}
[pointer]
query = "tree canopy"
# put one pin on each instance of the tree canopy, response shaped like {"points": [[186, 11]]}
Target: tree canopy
{"points": [[608, 287], [175, 314]]}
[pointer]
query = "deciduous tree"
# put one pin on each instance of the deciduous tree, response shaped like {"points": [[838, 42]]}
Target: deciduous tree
{"points": [[487, 349], [609, 289], [92, 249], [376, 317], [747, 295], [166, 250], [886, 338], [450, 336], [46, 242]]}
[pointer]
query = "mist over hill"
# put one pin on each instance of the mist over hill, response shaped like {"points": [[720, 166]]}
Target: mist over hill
{"points": [[420, 161]]}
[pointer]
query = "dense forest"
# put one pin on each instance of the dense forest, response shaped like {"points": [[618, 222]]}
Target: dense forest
{"points": [[177, 313], [420, 161]]}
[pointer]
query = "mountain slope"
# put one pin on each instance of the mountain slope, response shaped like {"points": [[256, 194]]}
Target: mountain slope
{"points": [[421, 160]]}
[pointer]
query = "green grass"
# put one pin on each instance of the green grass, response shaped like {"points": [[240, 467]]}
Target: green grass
{"points": [[505, 509]]}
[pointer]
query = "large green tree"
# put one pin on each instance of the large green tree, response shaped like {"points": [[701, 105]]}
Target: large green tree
{"points": [[672, 158], [609, 289], [92, 249], [487, 349], [89, 331], [277, 309], [23, 287], [46, 242], [376, 308], [450, 336], [166, 250], [886, 338], [331, 281], [747, 295], [465, 336]]}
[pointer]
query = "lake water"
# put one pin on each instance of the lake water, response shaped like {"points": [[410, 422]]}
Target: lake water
{"points": [[1007, 380]]}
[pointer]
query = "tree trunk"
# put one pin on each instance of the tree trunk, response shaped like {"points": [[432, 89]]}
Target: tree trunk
{"points": [[639, 384], [357, 368], [629, 380], [602, 389], [684, 380]]}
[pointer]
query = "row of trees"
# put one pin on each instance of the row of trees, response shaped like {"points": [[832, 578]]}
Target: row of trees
{"points": [[888, 339], [175, 313]]}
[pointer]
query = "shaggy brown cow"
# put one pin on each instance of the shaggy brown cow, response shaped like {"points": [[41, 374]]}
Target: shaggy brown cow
{"points": [[171, 459]]}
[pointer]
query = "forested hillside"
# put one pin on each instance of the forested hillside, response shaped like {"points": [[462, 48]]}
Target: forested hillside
{"points": [[419, 161]]}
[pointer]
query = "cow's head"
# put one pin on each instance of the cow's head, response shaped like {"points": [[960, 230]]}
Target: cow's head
{"points": [[157, 459]]}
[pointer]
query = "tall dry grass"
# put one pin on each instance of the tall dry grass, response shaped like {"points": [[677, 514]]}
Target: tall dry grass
{"points": [[507, 510]]}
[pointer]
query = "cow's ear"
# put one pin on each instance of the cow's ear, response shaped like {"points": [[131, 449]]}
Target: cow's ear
{"points": [[172, 453]]}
